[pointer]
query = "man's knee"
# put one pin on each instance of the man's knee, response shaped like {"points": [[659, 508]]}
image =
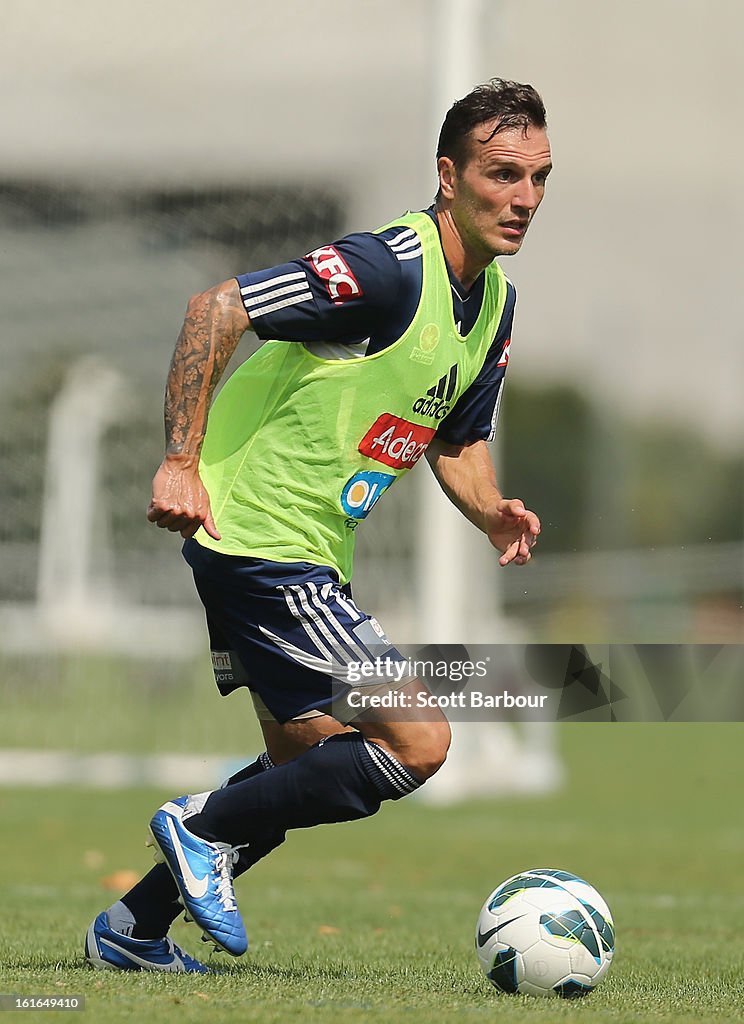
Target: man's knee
{"points": [[430, 752], [421, 748]]}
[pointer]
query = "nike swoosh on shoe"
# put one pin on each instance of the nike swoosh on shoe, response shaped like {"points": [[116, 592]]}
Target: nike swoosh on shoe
{"points": [[196, 887]]}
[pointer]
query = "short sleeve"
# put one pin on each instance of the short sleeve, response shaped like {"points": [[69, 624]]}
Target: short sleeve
{"points": [[475, 414], [340, 292]]}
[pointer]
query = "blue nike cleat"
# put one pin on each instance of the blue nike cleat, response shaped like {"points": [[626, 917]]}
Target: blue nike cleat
{"points": [[106, 949], [203, 874]]}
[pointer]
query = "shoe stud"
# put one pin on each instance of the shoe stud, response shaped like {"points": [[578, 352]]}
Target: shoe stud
{"points": [[158, 856]]}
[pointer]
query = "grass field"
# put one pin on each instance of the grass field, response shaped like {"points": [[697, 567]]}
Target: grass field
{"points": [[373, 921]]}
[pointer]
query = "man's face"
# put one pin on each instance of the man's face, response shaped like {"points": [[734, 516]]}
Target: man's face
{"points": [[493, 196]]}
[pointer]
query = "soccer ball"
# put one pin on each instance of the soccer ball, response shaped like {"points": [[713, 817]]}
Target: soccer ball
{"points": [[545, 933]]}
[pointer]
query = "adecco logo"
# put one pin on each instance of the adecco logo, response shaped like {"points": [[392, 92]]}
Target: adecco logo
{"points": [[396, 442]]}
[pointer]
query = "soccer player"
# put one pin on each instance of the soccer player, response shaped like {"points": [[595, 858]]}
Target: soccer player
{"points": [[379, 349]]}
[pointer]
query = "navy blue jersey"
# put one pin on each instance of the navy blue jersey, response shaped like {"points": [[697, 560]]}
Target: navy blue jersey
{"points": [[357, 296]]}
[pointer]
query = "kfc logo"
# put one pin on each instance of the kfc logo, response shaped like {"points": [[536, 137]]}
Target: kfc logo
{"points": [[396, 442], [330, 265]]}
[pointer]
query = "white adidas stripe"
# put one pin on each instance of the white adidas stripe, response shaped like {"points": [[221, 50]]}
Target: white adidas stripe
{"points": [[407, 243], [325, 621], [273, 306], [346, 602], [496, 411], [317, 621], [320, 602], [412, 255], [304, 658], [385, 771], [404, 234], [389, 766], [262, 286], [302, 619], [257, 301]]}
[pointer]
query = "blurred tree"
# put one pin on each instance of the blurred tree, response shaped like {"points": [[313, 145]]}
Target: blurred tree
{"points": [[604, 482], [546, 459]]}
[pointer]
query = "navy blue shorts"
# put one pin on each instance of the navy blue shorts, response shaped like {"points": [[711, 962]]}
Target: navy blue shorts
{"points": [[286, 630]]}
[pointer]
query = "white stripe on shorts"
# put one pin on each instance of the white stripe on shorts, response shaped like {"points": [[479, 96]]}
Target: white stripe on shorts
{"points": [[302, 619], [321, 626], [321, 603]]}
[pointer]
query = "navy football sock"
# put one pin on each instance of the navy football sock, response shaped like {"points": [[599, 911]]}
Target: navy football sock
{"points": [[153, 901], [269, 841], [262, 764], [339, 779]]}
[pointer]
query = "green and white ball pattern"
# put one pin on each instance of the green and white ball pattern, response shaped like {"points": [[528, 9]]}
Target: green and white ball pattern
{"points": [[545, 933]]}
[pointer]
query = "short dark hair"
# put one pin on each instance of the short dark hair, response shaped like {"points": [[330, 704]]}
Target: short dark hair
{"points": [[514, 105]]}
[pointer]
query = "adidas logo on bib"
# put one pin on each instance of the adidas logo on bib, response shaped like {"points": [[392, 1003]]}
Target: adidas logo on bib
{"points": [[436, 402]]}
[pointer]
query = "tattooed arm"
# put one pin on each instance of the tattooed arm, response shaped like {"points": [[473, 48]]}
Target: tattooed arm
{"points": [[214, 323]]}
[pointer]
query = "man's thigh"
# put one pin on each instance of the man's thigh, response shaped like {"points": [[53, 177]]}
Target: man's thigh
{"points": [[287, 740]]}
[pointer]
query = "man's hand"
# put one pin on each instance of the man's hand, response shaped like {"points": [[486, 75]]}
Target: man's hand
{"points": [[466, 475], [214, 323], [180, 502], [512, 529]]}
